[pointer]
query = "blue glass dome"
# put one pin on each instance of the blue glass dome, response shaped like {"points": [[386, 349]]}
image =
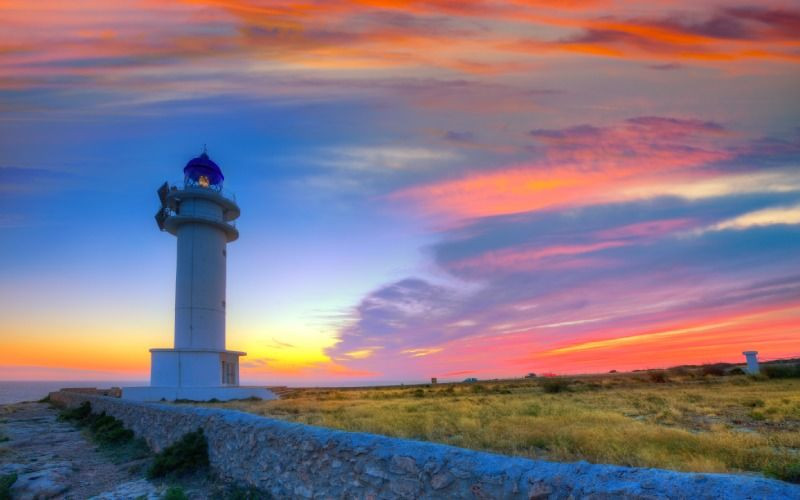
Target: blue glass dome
{"points": [[203, 171]]}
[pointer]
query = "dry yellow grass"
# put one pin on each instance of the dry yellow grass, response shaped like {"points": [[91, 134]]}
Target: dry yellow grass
{"points": [[710, 424]]}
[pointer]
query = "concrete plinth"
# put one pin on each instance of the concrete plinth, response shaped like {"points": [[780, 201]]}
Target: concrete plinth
{"points": [[155, 393]]}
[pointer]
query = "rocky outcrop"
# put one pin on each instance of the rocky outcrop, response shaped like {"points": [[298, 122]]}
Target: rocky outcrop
{"points": [[299, 461], [53, 459]]}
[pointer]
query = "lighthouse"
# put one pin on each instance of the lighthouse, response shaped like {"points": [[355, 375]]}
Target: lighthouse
{"points": [[199, 366]]}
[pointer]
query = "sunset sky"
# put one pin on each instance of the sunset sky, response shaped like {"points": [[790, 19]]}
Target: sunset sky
{"points": [[428, 188]]}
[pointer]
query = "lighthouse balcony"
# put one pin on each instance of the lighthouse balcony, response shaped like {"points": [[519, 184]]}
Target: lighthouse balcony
{"points": [[173, 221]]}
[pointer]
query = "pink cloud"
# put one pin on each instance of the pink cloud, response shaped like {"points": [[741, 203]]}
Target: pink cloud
{"points": [[531, 258]]}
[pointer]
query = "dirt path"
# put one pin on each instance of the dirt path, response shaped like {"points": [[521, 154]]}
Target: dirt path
{"points": [[53, 459]]}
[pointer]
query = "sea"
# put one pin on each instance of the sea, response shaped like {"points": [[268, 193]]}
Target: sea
{"points": [[19, 391]]}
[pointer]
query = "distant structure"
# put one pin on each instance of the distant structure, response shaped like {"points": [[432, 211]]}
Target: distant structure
{"points": [[433, 381], [752, 361], [198, 367]]}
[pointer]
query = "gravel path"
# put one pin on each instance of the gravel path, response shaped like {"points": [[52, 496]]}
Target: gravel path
{"points": [[53, 459]]}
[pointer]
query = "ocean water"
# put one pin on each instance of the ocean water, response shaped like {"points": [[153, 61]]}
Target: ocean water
{"points": [[18, 391]]}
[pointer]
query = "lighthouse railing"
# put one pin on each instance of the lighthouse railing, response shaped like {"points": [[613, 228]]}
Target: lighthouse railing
{"points": [[225, 193]]}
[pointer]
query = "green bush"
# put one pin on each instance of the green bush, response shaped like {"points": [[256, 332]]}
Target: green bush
{"points": [[716, 370], [175, 493], [108, 430], [78, 415], [104, 428], [6, 481], [555, 385], [784, 471], [781, 371], [658, 377], [235, 492], [187, 455], [115, 440], [678, 371]]}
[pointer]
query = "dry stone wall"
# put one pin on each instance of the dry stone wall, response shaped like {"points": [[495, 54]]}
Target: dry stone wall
{"points": [[300, 461]]}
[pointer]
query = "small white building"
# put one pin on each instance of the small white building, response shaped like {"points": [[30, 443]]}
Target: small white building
{"points": [[752, 362], [198, 366]]}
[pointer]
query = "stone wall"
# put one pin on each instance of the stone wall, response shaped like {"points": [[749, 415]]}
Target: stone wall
{"points": [[300, 461]]}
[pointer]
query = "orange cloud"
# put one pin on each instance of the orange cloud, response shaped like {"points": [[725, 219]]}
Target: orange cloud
{"points": [[122, 43], [773, 332]]}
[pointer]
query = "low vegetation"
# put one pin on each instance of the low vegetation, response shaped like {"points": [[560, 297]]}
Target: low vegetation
{"points": [[6, 481], [175, 493], [188, 455], [114, 439], [689, 418]]}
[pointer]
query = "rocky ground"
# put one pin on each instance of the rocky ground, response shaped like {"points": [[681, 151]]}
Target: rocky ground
{"points": [[54, 459]]}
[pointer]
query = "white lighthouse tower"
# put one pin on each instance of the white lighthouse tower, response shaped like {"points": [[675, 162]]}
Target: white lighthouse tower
{"points": [[198, 366]]}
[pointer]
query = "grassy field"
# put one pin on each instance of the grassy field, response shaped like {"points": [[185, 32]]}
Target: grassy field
{"points": [[681, 420]]}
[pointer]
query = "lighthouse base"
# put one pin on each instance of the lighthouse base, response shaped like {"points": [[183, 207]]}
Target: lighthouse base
{"points": [[195, 393], [196, 375]]}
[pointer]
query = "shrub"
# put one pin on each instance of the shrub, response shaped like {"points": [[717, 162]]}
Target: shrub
{"points": [[418, 393], [678, 371], [6, 481], [187, 455], [753, 402], [115, 440], [478, 388], [555, 385], [108, 430], [175, 493], [784, 471], [716, 370], [658, 377], [236, 492], [78, 415], [736, 371], [781, 371]]}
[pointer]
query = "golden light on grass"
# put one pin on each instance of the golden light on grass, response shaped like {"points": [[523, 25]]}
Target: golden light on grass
{"points": [[703, 424]]}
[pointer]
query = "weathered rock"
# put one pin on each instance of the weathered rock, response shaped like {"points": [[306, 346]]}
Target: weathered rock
{"points": [[441, 480], [403, 465], [45, 483], [405, 488], [539, 491], [141, 488]]}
